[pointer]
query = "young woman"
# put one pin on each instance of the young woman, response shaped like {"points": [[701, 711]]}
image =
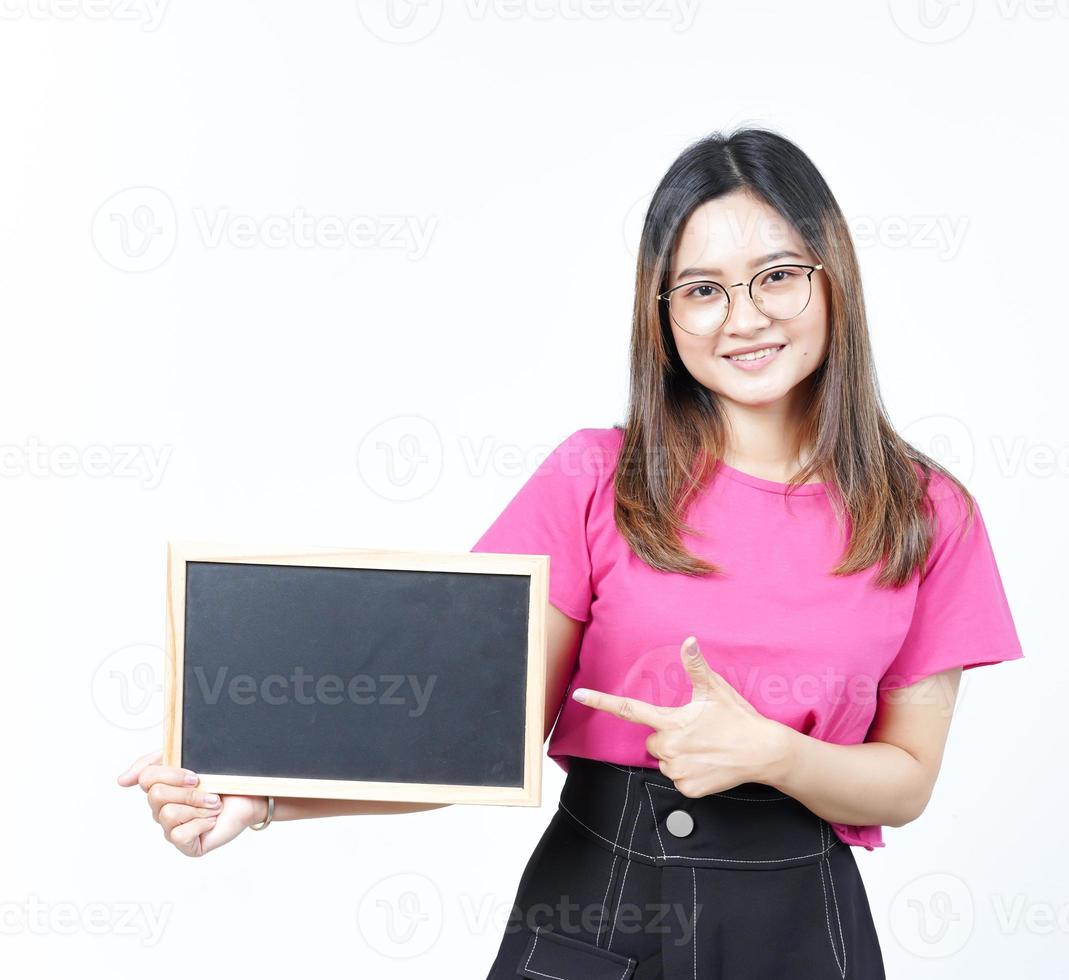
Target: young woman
{"points": [[761, 602]]}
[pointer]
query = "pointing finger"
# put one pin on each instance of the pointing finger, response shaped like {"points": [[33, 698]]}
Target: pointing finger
{"points": [[629, 709]]}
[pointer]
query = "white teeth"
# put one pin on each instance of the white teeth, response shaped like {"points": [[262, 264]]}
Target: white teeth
{"points": [[756, 355]]}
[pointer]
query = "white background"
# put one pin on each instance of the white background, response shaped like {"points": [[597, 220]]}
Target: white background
{"points": [[173, 377]]}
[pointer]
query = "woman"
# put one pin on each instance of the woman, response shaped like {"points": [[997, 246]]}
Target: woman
{"points": [[761, 602]]}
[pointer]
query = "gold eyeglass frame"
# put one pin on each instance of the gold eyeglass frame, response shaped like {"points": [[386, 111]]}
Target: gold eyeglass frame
{"points": [[667, 294]]}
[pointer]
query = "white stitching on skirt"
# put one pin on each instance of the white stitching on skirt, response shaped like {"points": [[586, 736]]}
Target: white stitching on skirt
{"points": [[553, 976], [653, 811], [623, 809], [694, 920], [827, 916], [534, 946], [623, 882], [612, 869], [605, 898], [691, 857], [838, 921], [724, 796]]}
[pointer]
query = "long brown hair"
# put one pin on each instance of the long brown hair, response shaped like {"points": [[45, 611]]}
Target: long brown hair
{"points": [[676, 432]]}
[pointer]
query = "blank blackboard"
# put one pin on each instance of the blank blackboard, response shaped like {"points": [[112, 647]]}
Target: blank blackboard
{"points": [[358, 674]]}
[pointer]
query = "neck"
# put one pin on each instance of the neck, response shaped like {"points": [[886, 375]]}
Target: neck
{"points": [[764, 440]]}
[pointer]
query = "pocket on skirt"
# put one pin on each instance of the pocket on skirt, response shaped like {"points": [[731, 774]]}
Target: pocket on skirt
{"points": [[552, 954]]}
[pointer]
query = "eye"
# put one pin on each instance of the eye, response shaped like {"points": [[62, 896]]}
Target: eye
{"points": [[776, 277], [701, 291]]}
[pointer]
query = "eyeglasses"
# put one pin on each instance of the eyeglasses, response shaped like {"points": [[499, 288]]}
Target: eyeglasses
{"points": [[702, 307]]}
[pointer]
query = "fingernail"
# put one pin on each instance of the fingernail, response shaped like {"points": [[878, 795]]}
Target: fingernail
{"points": [[211, 799], [191, 778], [579, 694]]}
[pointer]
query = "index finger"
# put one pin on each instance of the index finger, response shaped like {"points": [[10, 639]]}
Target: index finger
{"points": [[629, 709]]}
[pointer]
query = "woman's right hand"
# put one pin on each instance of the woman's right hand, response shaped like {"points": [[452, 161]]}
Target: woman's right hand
{"points": [[194, 821]]}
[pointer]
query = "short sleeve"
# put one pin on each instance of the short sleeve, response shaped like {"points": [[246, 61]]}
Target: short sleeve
{"points": [[961, 617], [548, 516]]}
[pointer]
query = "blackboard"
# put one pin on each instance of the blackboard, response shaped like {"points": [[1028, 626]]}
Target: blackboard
{"points": [[357, 673]]}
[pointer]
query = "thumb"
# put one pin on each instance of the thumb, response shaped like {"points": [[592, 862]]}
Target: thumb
{"points": [[130, 776], [702, 677]]}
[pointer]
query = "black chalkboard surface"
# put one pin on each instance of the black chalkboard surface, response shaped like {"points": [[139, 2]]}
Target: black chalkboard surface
{"points": [[357, 674]]}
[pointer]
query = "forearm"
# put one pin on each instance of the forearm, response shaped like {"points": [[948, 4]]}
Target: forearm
{"points": [[873, 783], [302, 808]]}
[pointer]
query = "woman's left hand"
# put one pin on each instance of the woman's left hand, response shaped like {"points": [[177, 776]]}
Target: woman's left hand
{"points": [[715, 742]]}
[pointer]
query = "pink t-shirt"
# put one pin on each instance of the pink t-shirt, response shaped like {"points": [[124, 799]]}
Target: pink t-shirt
{"points": [[805, 647]]}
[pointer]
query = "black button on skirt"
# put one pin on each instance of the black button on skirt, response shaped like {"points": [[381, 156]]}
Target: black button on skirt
{"points": [[632, 880]]}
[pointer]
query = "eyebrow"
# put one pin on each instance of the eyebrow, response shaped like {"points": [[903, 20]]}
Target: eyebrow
{"points": [[771, 257]]}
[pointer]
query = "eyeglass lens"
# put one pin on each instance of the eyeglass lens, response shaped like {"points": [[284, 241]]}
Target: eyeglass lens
{"points": [[780, 293]]}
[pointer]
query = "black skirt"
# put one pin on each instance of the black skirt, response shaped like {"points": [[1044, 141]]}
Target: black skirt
{"points": [[633, 881]]}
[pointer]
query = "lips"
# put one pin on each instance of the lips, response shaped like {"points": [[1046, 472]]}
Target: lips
{"points": [[758, 362], [751, 350]]}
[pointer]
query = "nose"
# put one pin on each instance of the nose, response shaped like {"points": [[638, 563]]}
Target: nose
{"points": [[744, 317]]}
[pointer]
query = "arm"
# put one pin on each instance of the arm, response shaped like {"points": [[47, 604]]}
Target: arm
{"points": [[719, 740], [562, 645], [886, 780], [305, 808]]}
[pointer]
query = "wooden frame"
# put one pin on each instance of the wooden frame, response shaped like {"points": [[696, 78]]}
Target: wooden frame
{"points": [[179, 553]]}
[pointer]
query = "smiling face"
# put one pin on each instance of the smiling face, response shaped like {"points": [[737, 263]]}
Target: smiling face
{"points": [[728, 240]]}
